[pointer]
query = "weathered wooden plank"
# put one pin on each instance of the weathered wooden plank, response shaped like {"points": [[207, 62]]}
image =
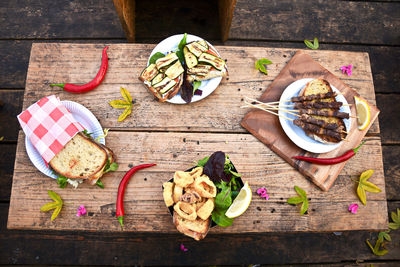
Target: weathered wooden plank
{"points": [[177, 151], [391, 165], [10, 107], [48, 247], [15, 59], [7, 154], [390, 119], [220, 112], [330, 21], [46, 19]]}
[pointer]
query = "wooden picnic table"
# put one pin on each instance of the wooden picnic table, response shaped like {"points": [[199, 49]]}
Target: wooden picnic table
{"points": [[365, 26], [175, 136]]}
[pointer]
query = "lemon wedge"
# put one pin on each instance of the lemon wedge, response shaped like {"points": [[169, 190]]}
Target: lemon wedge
{"points": [[363, 113], [241, 202]]}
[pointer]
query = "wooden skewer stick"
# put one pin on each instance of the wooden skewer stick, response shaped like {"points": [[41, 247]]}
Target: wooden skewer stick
{"points": [[269, 111], [288, 100]]}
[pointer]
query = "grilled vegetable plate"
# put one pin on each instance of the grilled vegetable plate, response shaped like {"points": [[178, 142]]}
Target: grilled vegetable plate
{"points": [[297, 134], [202, 61]]}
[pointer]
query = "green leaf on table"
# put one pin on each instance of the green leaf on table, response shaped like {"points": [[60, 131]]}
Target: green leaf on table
{"points": [[376, 249], [384, 236], [100, 184], [311, 45], [56, 205], [196, 85], [260, 65], [302, 198], [156, 56], [364, 185], [396, 220], [181, 45], [126, 104]]}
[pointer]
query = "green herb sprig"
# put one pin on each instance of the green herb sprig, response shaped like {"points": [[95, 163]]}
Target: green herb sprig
{"points": [[56, 205], [154, 57], [311, 45], [181, 45], [196, 85], [302, 198], [260, 65], [364, 185], [126, 104]]}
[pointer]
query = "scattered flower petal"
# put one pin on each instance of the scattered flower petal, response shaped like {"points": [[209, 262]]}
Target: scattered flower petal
{"points": [[262, 192], [81, 211], [353, 208], [346, 69], [183, 248]]}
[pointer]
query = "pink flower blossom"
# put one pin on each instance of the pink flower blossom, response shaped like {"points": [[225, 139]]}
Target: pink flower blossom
{"points": [[81, 211], [346, 69], [183, 248], [353, 208], [262, 192]]}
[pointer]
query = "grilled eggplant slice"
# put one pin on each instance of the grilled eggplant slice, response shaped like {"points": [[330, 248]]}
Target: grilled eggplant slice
{"points": [[190, 58], [203, 43], [175, 70], [149, 73], [196, 48], [159, 77], [214, 61], [166, 61]]}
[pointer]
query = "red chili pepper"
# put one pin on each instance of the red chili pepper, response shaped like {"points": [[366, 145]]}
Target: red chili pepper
{"points": [[330, 161], [121, 191], [75, 88]]}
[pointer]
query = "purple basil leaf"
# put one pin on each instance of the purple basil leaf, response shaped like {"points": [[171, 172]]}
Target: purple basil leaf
{"points": [[214, 167], [198, 92], [186, 89]]}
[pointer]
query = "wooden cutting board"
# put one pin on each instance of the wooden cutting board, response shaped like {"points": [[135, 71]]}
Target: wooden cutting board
{"points": [[267, 128]]}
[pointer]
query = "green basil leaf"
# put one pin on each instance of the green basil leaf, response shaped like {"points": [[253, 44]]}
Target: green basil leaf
{"points": [[181, 45], [196, 85], [301, 192], [304, 207], [218, 216], [100, 184], [295, 200], [154, 57], [316, 43], [202, 162], [309, 44], [260, 65]]}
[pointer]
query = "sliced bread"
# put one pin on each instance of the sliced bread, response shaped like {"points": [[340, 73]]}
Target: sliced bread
{"points": [[80, 158]]}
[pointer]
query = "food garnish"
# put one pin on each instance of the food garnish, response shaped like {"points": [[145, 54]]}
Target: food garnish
{"points": [[260, 65], [302, 198], [330, 161], [182, 247], [80, 211], [120, 213], [364, 185], [56, 205], [126, 104], [221, 170], [377, 248], [311, 45], [262, 192], [75, 88], [353, 208], [363, 113], [241, 202], [346, 69]]}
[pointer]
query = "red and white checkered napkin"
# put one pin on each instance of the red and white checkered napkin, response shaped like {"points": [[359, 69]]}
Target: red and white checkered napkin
{"points": [[49, 126]]}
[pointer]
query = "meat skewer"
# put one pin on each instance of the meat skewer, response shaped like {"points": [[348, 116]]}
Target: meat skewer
{"points": [[323, 124], [325, 113], [318, 130], [313, 97], [318, 105]]}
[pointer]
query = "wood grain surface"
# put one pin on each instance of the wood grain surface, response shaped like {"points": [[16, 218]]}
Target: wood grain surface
{"points": [[190, 133], [267, 127]]}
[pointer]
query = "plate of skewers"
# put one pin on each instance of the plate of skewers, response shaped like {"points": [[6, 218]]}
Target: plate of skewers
{"points": [[313, 114]]}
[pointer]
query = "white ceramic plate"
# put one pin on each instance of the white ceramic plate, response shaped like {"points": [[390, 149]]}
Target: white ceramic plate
{"points": [[171, 44], [295, 133], [84, 117]]}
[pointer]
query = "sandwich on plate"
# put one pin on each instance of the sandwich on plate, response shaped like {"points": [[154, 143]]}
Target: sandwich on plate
{"points": [[82, 159]]}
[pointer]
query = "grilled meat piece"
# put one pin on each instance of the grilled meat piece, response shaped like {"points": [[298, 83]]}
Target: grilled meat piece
{"points": [[313, 97], [324, 124], [325, 113], [318, 130], [318, 105]]}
